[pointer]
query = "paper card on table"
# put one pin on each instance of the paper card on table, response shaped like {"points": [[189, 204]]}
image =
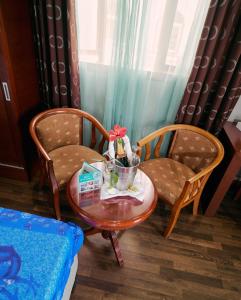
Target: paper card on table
{"points": [[89, 179]]}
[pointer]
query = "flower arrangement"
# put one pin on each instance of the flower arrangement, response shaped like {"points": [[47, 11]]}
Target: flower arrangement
{"points": [[120, 148]]}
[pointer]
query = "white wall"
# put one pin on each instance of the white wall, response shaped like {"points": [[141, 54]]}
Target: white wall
{"points": [[236, 113]]}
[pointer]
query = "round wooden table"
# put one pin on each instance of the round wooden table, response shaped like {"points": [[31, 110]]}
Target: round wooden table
{"points": [[111, 215]]}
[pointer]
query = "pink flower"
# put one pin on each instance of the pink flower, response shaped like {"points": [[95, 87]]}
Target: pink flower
{"points": [[118, 132]]}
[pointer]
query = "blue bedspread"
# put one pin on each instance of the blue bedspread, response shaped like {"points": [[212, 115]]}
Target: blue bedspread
{"points": [[36, 255]]}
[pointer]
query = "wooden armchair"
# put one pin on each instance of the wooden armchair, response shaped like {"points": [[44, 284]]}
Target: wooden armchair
{"points": [[180, 178], [58, 135]]}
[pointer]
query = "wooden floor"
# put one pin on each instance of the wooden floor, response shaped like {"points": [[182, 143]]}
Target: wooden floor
{"points": [[201, 259]]}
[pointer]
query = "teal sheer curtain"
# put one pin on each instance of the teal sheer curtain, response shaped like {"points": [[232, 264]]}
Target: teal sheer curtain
{"points": [[135, 59]]}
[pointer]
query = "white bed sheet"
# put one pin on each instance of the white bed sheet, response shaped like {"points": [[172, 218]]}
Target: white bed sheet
{"points": [[71, 279]]}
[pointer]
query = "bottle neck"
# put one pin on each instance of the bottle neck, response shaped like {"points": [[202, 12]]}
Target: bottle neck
{"points": [[120, 152]]}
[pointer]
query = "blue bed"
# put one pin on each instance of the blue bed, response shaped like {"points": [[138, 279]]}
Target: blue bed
{"points": [[36, 255]]}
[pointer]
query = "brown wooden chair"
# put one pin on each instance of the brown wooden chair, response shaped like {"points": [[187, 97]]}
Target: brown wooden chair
{"points": [[180, 178], [58, 135]]}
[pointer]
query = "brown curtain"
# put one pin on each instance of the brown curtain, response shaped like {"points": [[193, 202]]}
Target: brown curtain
{"points": [[214, 85], [56, 47]]}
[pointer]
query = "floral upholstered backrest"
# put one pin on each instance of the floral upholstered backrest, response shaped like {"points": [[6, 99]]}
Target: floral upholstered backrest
{"points": [[59, 130], [193, 150]]}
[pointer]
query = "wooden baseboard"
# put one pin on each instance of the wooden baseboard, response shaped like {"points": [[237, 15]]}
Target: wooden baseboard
{"points": [[13, 172]]}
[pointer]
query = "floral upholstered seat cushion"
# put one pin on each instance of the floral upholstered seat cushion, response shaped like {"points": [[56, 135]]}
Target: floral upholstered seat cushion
{"points": [[168, 176], [69, 159]]}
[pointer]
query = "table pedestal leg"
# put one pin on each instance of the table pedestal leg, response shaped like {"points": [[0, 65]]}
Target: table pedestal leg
{"points": [[115, 244], [91, 230]]}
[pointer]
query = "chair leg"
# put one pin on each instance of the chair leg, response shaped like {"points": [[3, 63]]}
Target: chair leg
{"points": [[56, 205], [195, 205], [172, 222]]}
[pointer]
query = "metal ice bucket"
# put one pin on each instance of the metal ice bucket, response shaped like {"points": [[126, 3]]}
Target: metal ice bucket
{"points": [[126, 176]]}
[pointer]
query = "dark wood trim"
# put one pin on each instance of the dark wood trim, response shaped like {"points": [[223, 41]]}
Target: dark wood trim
{"points": [[223, 187], [112, 236], [13, 172], [225, 174], [18, 68]]}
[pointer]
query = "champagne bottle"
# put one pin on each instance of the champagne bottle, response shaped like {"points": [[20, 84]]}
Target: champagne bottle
{"points": [[121, 154]]}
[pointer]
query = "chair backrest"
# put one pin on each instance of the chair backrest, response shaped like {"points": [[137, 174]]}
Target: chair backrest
{"points": [[60, 127], [193, 149], [191, 145], [199, 150], [58, 130]]}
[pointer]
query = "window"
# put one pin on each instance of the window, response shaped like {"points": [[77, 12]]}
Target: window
{"points": [[168, 24]]}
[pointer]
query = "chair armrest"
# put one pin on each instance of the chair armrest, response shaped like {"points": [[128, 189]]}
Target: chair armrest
{"points": [[200, 175], [48, 169], [159, 132], [51, 175], [43, 153], [40, 148], [46, 161], [152, 136], [149, 138], [102, 130], [194, 186], [47, 165], [96, 124]]}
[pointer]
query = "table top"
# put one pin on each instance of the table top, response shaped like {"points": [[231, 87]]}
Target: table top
{"points": [[119, 212]]}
